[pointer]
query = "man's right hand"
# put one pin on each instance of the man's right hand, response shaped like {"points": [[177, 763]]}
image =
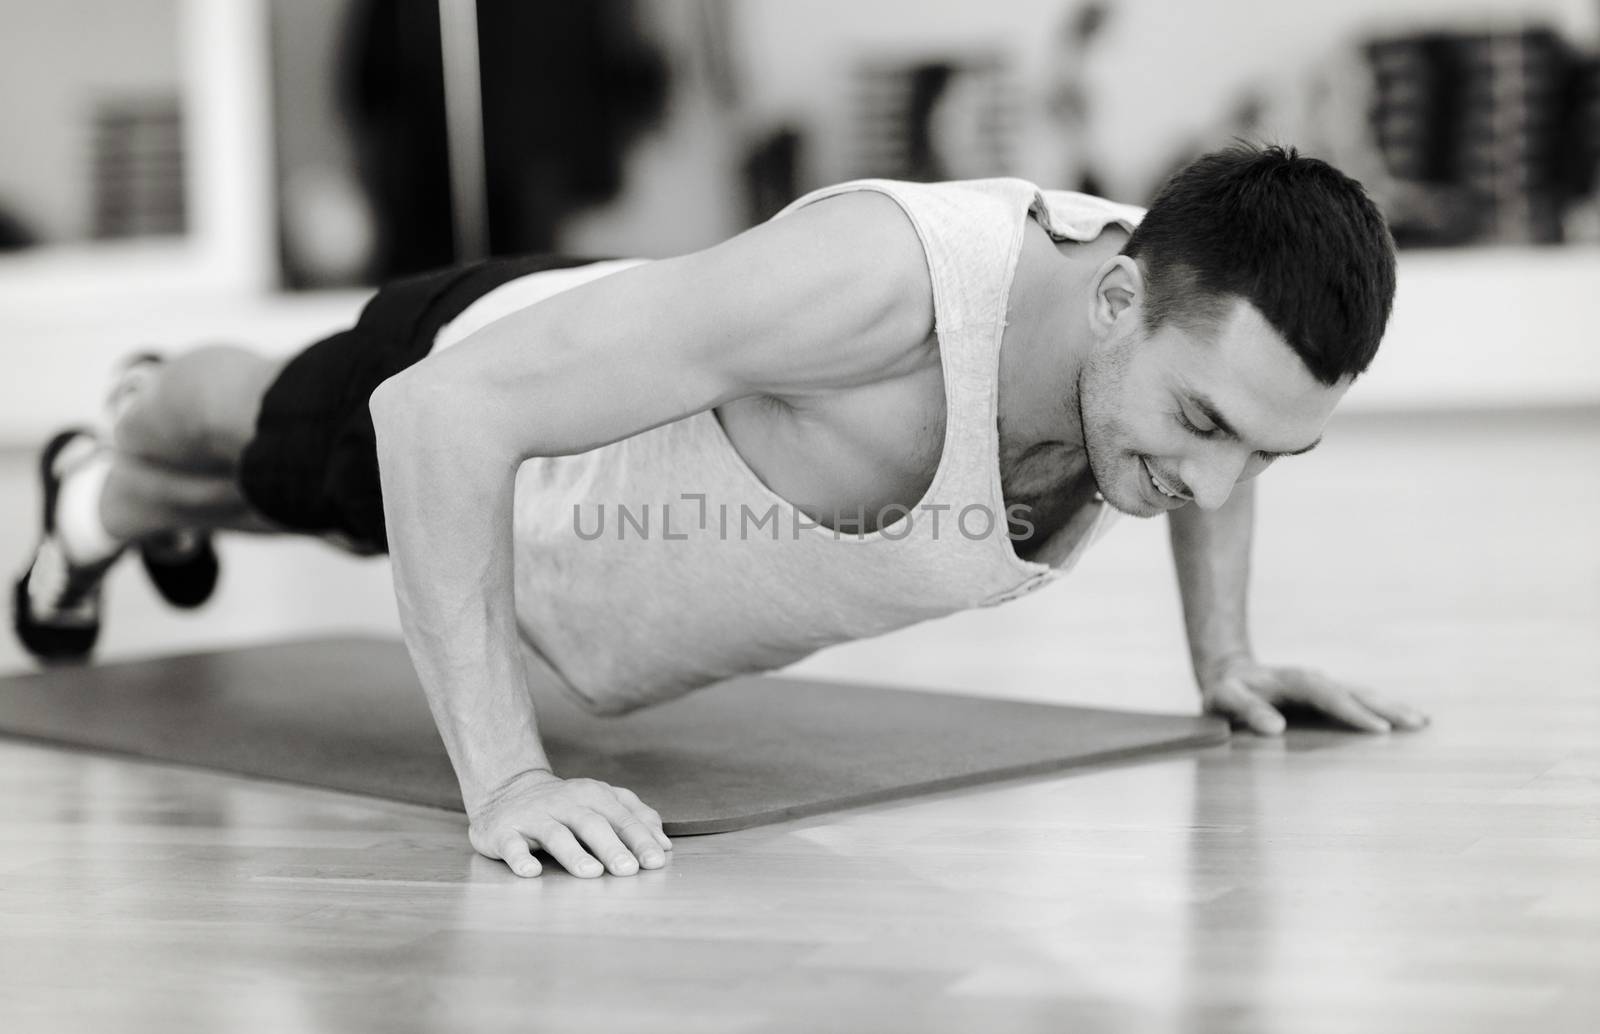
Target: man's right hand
{"points": [[565, 816]]}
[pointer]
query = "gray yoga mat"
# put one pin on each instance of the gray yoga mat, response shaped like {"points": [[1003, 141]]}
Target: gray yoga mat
{"points": [[349, 714]]}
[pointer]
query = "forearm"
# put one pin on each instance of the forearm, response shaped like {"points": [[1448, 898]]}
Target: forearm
{"points": [[1211, 552], [448, 510]]}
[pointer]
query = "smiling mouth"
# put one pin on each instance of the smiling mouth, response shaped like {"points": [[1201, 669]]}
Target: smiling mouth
{"points": [[1160, 485]]}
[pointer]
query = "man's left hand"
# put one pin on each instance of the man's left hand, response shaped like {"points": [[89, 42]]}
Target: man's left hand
{"points": [[1250, 694]]}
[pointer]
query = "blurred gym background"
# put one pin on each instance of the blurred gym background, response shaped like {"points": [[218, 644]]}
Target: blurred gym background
{"points": [[238, 169], [184, 171]]}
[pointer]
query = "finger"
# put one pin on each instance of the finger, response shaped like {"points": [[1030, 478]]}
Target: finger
{"points": [[513, 848], [651, 817], [1399, 715], [1338, 702], [631, 829], [640, 838], [598, 834], [1245, 707], [564, 848]]}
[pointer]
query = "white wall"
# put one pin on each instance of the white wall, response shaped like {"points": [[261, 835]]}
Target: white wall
{"points": [[1489, 328]]}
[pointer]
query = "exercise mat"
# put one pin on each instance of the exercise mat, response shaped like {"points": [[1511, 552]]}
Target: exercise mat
{"points": [[348, 714]]}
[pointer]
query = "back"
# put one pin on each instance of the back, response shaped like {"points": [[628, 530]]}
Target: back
{"points": [[663, 562]]}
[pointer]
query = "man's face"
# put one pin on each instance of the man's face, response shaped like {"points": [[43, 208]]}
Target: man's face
{"points": [[1193, 413]]}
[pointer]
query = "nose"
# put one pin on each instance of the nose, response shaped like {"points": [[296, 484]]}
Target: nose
{"points": [[1212, 477]]}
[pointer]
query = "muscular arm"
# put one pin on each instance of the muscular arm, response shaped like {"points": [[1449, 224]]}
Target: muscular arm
{"points": [[1212, 554], [1211, 551], [826, 296]]}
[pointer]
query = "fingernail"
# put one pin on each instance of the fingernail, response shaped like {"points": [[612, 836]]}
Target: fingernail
{"points": [[624, 863], [589, 869], [653, 858]]}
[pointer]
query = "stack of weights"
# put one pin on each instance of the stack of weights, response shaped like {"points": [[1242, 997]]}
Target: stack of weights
{"points": [[1491, 121]]}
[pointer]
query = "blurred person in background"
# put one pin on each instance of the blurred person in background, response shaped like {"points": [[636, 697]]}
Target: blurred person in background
{"points": [[363, 145]]}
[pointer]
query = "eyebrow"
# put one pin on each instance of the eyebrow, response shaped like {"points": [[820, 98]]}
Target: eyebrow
{"points": [[1209, 408]]}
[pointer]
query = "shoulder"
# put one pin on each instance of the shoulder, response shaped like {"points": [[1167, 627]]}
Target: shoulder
{"points": [[865, 236], [834, 293]]}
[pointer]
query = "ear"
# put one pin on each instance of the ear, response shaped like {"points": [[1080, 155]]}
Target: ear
{"points": [[1118, 287]]}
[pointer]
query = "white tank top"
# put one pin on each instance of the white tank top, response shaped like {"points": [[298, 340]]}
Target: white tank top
{"points": [[662, 563]]}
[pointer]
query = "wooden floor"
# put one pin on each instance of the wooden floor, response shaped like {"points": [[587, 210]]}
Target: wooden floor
{"points": [[1447, 881]]}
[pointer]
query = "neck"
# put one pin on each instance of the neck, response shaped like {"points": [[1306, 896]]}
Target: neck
{"points": [[1046, 345]]}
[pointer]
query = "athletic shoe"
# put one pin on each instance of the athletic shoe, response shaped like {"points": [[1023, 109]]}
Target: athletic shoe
{"points": [[56, 603], [182, 565]]}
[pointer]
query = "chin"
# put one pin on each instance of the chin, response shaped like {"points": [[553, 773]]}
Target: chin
{"points": [[1118, 474], [1123, 493], [1132, 504]]}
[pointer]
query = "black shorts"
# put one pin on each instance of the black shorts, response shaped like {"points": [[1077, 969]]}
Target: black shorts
{"points": [[313, 465]]}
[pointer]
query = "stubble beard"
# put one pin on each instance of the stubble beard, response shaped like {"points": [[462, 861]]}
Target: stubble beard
{"points": [[1099, 385]]}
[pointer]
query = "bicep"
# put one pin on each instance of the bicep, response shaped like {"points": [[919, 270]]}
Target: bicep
{"points": [[833, 294]]}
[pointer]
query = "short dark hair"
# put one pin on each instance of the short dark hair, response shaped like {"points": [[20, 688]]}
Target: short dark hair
{"points": [[1293, 236]]}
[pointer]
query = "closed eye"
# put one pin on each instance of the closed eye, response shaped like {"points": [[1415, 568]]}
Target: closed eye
{"points": [[1192, 428], [1210, 433], [1221, 427]]}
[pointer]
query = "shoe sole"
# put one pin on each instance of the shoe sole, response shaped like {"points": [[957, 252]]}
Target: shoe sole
{"points": [[50, 643]]}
